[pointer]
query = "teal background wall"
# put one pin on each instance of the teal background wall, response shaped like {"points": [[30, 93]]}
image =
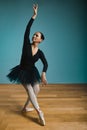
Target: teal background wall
{"points": [[64, 24]]}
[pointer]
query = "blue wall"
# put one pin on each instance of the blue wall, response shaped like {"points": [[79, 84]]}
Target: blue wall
{"points": [[64, 24]]}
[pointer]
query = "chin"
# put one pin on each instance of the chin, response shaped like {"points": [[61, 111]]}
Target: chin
{"points": [[33, 40]]}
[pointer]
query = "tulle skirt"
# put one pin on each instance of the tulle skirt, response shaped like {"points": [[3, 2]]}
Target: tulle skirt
{"points": [[24, 76]]}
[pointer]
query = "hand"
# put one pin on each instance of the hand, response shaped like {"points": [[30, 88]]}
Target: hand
{"points": [[43, 78], [35, 8]]}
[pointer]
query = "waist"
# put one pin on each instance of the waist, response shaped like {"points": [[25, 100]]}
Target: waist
{"points": [[27, 66]]}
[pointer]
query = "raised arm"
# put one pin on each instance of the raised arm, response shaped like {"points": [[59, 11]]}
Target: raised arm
{"points": [[27, 31]]}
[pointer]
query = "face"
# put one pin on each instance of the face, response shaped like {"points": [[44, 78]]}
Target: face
{"points": [[37, 37]]}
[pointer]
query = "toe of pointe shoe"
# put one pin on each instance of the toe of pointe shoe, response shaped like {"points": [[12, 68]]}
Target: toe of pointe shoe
{"points": [[41, 117]]}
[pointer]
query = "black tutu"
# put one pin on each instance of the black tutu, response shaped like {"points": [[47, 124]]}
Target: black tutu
{"points": [[24, 76]]}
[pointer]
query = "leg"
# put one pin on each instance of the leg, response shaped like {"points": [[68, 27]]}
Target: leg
{"points": [[36, 89], [33, 99], [25, 108]]}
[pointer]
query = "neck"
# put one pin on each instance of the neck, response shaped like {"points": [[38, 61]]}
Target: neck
{"points": [[35, 45]]}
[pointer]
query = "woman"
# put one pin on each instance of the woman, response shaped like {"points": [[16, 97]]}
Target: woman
{"points": [[26, 73]]}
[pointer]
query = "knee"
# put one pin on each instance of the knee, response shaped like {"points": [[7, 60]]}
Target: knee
{"points": [[36, 89]]}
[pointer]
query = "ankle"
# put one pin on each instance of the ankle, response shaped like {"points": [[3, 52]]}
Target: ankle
{"points": [[38, 110]]}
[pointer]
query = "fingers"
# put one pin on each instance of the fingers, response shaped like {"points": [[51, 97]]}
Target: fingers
{"points": [[35, 9], [43, 78], [35, 6], [44, 82]]}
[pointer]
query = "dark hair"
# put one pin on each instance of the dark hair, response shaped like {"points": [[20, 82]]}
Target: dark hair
{"points": [[42, 36]]}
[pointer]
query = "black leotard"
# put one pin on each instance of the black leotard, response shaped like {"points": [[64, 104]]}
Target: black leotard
{"points": [[28, 60], [26, 72]]}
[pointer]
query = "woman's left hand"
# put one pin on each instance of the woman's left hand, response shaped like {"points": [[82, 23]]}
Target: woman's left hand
{"points": [[43, 78]]}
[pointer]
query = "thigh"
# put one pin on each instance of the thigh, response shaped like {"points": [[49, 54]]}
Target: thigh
{"points": [[26, 87], [36, 88]]}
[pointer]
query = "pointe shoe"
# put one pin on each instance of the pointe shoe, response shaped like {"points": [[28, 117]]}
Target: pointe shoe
{"points": [[41, 117], [28, 110]]}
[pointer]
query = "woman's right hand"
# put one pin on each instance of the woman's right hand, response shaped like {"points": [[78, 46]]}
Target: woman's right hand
{"points": [[35, 8]]}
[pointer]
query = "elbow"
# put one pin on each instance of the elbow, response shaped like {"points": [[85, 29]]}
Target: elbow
{"points": [[45, 67]]}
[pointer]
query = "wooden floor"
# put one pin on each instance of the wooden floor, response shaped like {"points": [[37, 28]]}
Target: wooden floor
{"points": [[64, 106]]}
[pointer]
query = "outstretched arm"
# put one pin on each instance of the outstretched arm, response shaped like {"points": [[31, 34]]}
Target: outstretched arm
{"points": [[27, 31]]}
